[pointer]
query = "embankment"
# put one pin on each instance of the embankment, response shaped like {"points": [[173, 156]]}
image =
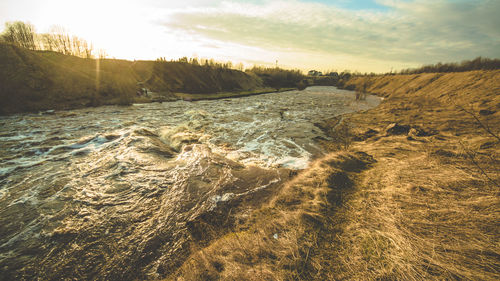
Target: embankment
{"points": [[414, 197], [188, 78], [40, 80]]}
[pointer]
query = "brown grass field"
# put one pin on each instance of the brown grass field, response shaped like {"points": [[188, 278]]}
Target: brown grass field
{"points": [[419, 201]]}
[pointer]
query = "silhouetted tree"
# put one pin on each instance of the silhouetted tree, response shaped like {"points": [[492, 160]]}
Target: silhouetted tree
{"points": [[58, 40]]}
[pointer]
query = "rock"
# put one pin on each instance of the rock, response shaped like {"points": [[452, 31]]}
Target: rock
{"points": [[47, 112], [396, 129], [488, 144], [485, 112], [424, 133], [370, 133], [209, 223], [444, 152], [366, 135]]}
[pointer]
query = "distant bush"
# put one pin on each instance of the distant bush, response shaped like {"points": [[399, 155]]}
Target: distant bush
{"points": [[277, 77], [478, 63], [326, 80]]}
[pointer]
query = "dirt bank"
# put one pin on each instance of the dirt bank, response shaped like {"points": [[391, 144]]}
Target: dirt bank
{"points": [[41, 80], [415, 196]]}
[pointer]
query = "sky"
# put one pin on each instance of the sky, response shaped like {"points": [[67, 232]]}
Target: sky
{"points": [[358, 35]]}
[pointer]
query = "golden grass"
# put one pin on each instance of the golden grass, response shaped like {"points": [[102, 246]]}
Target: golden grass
{"points": [[426, 211], [416, 216]]}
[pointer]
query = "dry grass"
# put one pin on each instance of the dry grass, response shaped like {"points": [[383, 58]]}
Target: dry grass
{"points": [[285, 240], [419, 216], [429, 208]]}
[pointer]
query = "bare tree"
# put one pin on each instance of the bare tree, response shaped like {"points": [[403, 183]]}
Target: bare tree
{"points": [[101, 54], [20, 34], [58, 40], [62, 40], [240, 66], [46, 42]]}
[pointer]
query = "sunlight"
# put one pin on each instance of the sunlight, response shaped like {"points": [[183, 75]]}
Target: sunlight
{"points": [[97, 74]]}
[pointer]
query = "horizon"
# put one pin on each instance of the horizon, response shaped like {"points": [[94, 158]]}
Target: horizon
{"points": [[364, 35]]}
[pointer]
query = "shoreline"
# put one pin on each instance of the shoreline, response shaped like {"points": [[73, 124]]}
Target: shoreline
{"points": [[178, 96], [230, 95]]}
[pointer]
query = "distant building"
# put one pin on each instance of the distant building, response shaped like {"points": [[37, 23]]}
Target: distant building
{"points": [[142, 90], [314, 73]]}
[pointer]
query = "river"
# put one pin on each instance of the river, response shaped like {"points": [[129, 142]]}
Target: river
{"points": [[114, 193]]}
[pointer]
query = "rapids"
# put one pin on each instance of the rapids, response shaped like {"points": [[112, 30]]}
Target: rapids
{"points": [[120, 193]]}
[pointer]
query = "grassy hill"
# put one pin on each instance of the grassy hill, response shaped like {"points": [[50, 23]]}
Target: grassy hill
{"points": [[39, 80], [31, 81], [189, 78], [414, 196]]}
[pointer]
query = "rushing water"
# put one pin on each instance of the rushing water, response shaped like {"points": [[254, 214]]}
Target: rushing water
{"points": [[108, 192]]}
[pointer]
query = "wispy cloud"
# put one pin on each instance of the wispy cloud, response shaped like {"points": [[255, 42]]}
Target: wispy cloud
{"points": [[367, 35], [412, 32]]}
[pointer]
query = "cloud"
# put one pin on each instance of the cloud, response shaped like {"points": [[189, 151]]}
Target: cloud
{"points": [[415, 32]]}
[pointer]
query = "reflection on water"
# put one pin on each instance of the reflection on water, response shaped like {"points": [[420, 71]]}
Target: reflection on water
{"points": [[115, 192]]}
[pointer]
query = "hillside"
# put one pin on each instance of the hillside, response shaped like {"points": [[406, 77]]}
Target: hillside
{"points": [[414, 196], [40, 80], [188, 78]]}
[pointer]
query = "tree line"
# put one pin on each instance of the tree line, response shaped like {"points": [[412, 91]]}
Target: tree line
{"points": [[209, 63], [274, 77], [24, 35]]}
